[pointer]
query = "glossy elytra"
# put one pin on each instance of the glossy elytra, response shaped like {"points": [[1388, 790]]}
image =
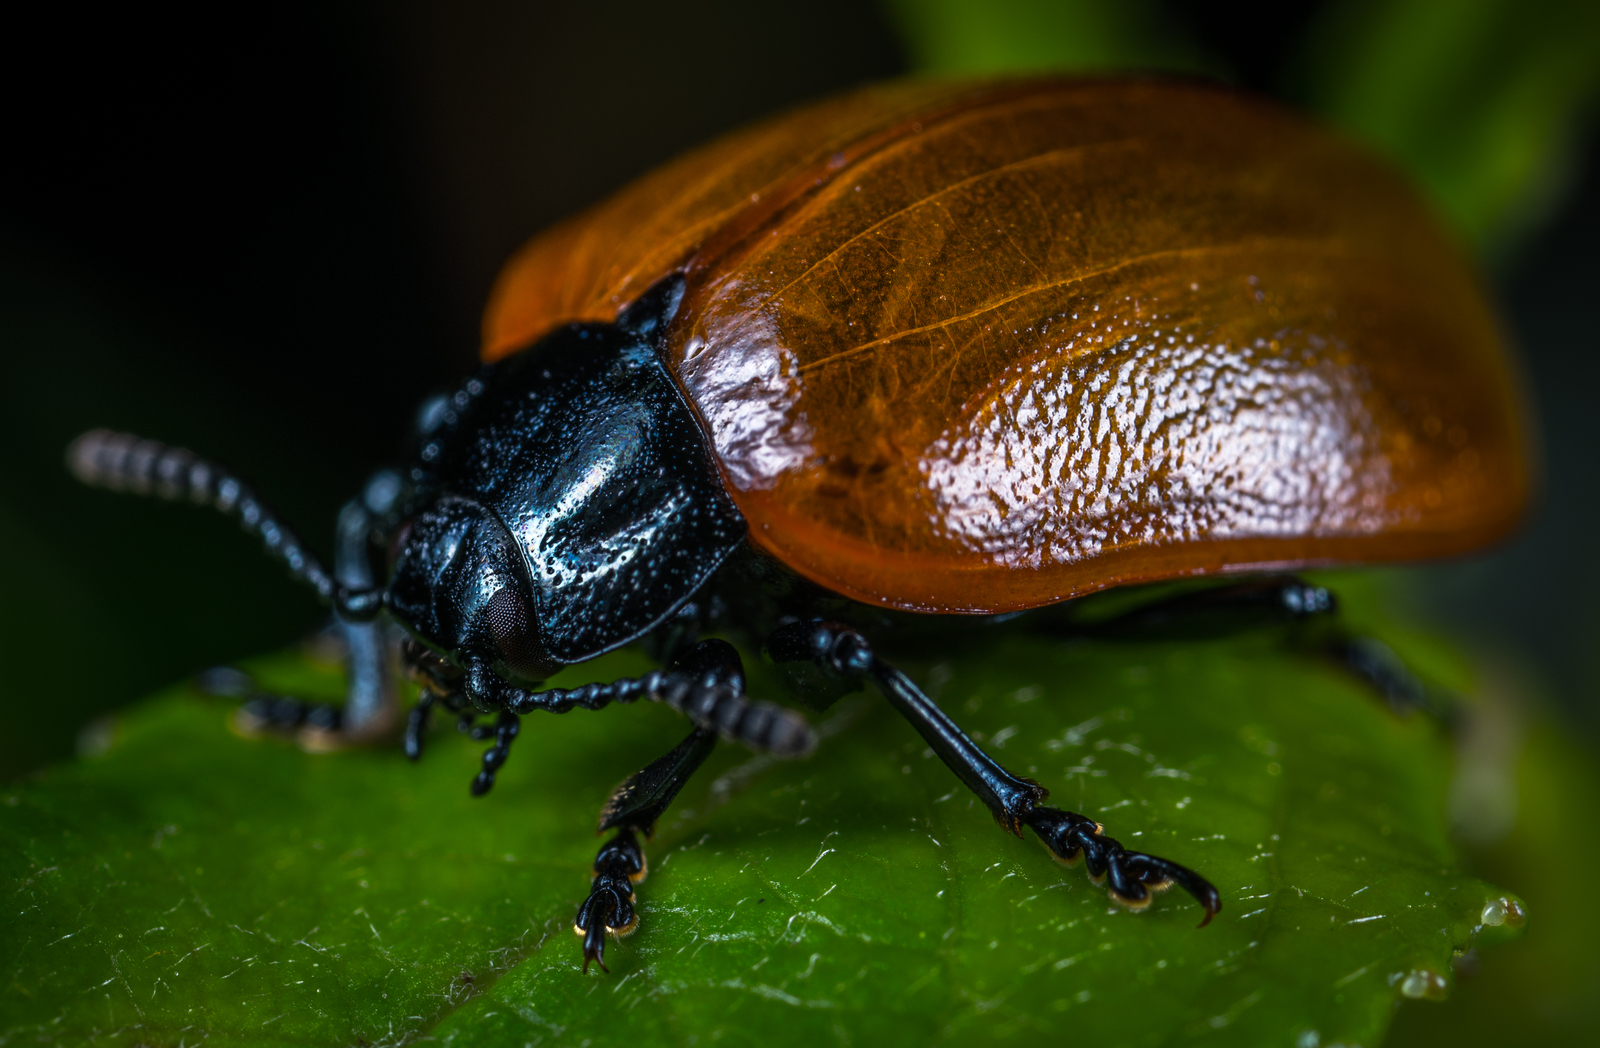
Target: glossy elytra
{"points": [[921, 352]]}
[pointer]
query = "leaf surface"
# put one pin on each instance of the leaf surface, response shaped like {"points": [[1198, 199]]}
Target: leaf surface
{"points": [[190, 884]]}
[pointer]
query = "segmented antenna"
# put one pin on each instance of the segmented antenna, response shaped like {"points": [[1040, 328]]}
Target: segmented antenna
{"points": [[123, 462]]}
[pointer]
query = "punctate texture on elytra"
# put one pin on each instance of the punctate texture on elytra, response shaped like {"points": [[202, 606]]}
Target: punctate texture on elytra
{"points": [[986, 347]]}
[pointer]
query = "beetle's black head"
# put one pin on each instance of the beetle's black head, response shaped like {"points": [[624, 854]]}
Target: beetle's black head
{"points": [[459, 584], [564, 503]]}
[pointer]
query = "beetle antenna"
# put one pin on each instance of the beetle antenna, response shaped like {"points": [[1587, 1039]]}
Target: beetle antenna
{"points": [[123, 462]]}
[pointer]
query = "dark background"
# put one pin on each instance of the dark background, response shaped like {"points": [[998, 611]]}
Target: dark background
{"points": [[265, 234]]}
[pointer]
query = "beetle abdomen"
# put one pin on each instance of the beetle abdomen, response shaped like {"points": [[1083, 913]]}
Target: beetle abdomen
{"points": [[1007, 344]]}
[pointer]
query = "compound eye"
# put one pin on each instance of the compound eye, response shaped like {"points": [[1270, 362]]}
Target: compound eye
{"points": [[516, 635], [397, 544]]}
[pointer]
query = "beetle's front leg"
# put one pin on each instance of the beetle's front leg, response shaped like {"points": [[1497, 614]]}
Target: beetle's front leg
{"points": [[1130, 877], [368, 714], [636, 805], [609, 908], [632, 810], [372, 701], [367, 648], [705, 684]]}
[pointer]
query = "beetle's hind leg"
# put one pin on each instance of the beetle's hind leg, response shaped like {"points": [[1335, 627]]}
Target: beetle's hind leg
{"points": [[1130, 877], [1377, 665], [1309, 610], [1218, 611]]}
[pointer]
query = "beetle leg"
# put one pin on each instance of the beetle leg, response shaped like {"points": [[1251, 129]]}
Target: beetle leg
{"points": [[417, 724], [261, 711], [372, 702], [632, 810], [371, 707], [1216, 611], [318, 726], [609, 908], [636, 805], [708, 699], [1377, 666], [123, 462], [505, 731], [1252, 603], [1130, 877], [680, 632]]}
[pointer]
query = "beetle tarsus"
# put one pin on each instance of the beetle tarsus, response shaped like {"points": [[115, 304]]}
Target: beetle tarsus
{"points": [[609, 909], [494, 758], [260, 712], [1130, 878], [280, 712]]}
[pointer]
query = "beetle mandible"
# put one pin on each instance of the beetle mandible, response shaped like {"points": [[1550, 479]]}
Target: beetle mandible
{"points": [[927, 349]]}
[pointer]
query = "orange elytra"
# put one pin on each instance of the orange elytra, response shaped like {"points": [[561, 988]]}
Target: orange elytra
{"points": [[980, 348]]}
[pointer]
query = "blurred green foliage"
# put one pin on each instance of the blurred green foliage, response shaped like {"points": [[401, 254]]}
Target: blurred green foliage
{"points": [[967, 38], [1483, 101]]}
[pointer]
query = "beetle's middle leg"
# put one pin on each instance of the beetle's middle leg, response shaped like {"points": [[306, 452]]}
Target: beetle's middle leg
{"points": [[1130, 877]]}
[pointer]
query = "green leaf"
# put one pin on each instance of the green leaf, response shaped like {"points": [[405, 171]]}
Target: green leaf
{"points": [[192, 885]]}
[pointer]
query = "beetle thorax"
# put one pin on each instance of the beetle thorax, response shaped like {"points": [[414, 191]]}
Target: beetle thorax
{"points": [[565, 505]]}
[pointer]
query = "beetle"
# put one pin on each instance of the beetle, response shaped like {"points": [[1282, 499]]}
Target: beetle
{"points": [[923, 353]]}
